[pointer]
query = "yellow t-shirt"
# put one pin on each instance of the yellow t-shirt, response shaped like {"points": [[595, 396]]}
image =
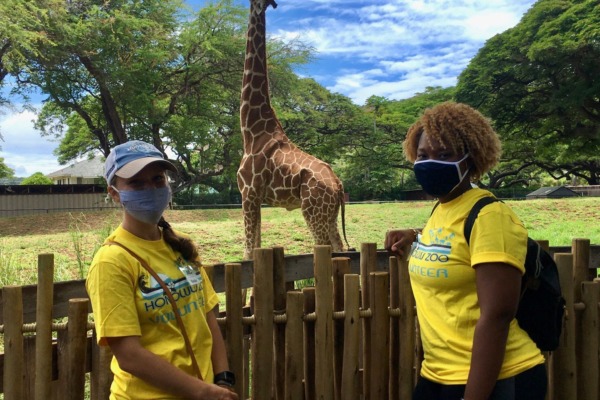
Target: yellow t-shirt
{"points": [[127, 301], [443, 281]]}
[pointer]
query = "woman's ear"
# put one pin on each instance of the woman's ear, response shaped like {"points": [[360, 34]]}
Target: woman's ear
{"points": [[469, 163], [114, 195], [466, 167]]}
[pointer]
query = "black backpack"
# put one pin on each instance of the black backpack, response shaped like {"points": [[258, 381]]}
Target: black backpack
{"points": [[541, 307]]}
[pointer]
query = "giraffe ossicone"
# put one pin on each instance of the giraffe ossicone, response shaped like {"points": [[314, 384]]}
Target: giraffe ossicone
{"points": [[273, 170]]}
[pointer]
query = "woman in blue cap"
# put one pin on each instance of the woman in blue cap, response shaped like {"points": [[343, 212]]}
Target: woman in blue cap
{"points": [[151, 299]]}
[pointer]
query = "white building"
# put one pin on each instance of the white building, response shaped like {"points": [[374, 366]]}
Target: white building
{"points": [[89, 171]]}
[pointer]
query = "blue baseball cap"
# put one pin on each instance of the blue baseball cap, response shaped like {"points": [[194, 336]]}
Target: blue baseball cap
{"points": [[129, 158]]}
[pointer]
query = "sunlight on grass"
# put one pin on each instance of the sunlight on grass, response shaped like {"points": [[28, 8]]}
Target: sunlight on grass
{"points": [[220, 233]]}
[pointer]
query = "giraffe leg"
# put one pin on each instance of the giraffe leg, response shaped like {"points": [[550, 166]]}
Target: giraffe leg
{"points": [[334, 235], [330, 215], [252, 222], [319, 227], [319, 230]]}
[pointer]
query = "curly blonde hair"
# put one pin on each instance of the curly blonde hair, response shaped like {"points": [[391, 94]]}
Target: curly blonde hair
{"points": [[463, 128]]}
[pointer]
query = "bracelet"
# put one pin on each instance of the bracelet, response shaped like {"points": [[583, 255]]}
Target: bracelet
{"points": [[225, 378]]}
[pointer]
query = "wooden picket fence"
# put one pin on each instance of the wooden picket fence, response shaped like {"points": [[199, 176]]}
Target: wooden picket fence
{"points": [[351, 335]]}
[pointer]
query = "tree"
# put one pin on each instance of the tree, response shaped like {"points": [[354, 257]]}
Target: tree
{"points": [[316, 120], [138, 70], [5, 170], [105, 57], [538, 82], [21, 31], [373, 165], [37, 179]]}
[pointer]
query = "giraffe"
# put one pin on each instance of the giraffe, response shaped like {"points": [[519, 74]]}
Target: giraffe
{"points": [[273, 170]]}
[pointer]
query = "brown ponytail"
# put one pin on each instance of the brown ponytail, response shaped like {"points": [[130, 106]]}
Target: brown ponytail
{"points": [[185, 246]]}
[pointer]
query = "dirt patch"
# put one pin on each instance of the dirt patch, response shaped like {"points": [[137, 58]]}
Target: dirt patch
{"points": [[60, 222], [40, 224]]}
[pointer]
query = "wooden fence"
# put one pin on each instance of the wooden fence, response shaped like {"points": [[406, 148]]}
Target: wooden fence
{"points": [[17, 200], [350, 336]]}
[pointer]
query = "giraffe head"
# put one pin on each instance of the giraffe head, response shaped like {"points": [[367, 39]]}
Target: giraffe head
{"points": [[261, 5]]}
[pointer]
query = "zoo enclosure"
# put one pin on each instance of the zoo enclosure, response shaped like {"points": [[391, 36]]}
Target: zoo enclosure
{"points": [[17, 200], [351, 336]]}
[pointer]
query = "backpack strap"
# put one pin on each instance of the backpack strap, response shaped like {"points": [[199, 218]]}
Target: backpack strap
{"points": [[484, 201], [437, 203]]}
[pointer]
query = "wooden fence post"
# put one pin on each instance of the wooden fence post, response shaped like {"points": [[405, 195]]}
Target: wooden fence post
{"points": [[309, 344], [394, 367], [581, 260], [294, 350], [409, 365], [580, 249], [564, 361], [324, 323], [43, 327], [341, 267], [262, 334], [589, 326], [12, 304], [350, 371], [76, 347], [380, 340], [234, 334], [102, 376], [279, 299], [368, 262]]}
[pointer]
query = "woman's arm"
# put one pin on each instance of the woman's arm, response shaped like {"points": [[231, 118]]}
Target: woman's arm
{"points": [[136, 360], [219, 352], [498, 288]]}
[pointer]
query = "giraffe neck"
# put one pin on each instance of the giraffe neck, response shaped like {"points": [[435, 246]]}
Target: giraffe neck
{"points": [[257, 117]]}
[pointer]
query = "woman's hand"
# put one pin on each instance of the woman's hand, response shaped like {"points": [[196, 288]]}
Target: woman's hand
{"points": [[135, 359], [216, 392], [397, 240]]}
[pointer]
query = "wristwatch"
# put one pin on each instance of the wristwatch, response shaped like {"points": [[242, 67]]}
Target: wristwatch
{"points": [[226, 378]]}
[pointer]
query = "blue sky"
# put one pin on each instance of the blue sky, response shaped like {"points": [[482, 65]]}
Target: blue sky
{"points": [[388, 48]]}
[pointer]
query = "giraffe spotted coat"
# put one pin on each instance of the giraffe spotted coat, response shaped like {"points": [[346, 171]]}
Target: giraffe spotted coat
{"points": [[273, 170]]}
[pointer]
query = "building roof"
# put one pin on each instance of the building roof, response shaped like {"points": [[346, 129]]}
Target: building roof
{"points": [[88, 168], [553, 191]]}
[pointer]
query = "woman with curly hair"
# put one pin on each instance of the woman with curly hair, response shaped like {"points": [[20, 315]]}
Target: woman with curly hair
{"points": [[466, 293]]}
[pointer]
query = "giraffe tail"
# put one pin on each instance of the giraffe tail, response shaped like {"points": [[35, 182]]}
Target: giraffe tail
{"points": [[343, 205]]}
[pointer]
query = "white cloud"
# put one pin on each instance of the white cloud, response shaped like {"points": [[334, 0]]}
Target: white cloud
{"points": [[23, 149], [388, 48], [428, 42]]}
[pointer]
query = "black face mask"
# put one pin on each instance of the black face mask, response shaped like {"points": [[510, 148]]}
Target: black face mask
{"points": [[438, 178]]}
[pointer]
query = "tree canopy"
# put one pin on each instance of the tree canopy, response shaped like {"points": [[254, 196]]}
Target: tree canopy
{"points": [[539, 83], [373, 164], [155, 72], [159, 72], [5, 170], [37, 178]]}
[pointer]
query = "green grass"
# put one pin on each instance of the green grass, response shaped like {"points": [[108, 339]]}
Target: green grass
{"points": [[73, 239]]}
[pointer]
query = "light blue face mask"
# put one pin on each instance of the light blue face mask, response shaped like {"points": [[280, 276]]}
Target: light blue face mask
{"points": [[145, 205]]}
